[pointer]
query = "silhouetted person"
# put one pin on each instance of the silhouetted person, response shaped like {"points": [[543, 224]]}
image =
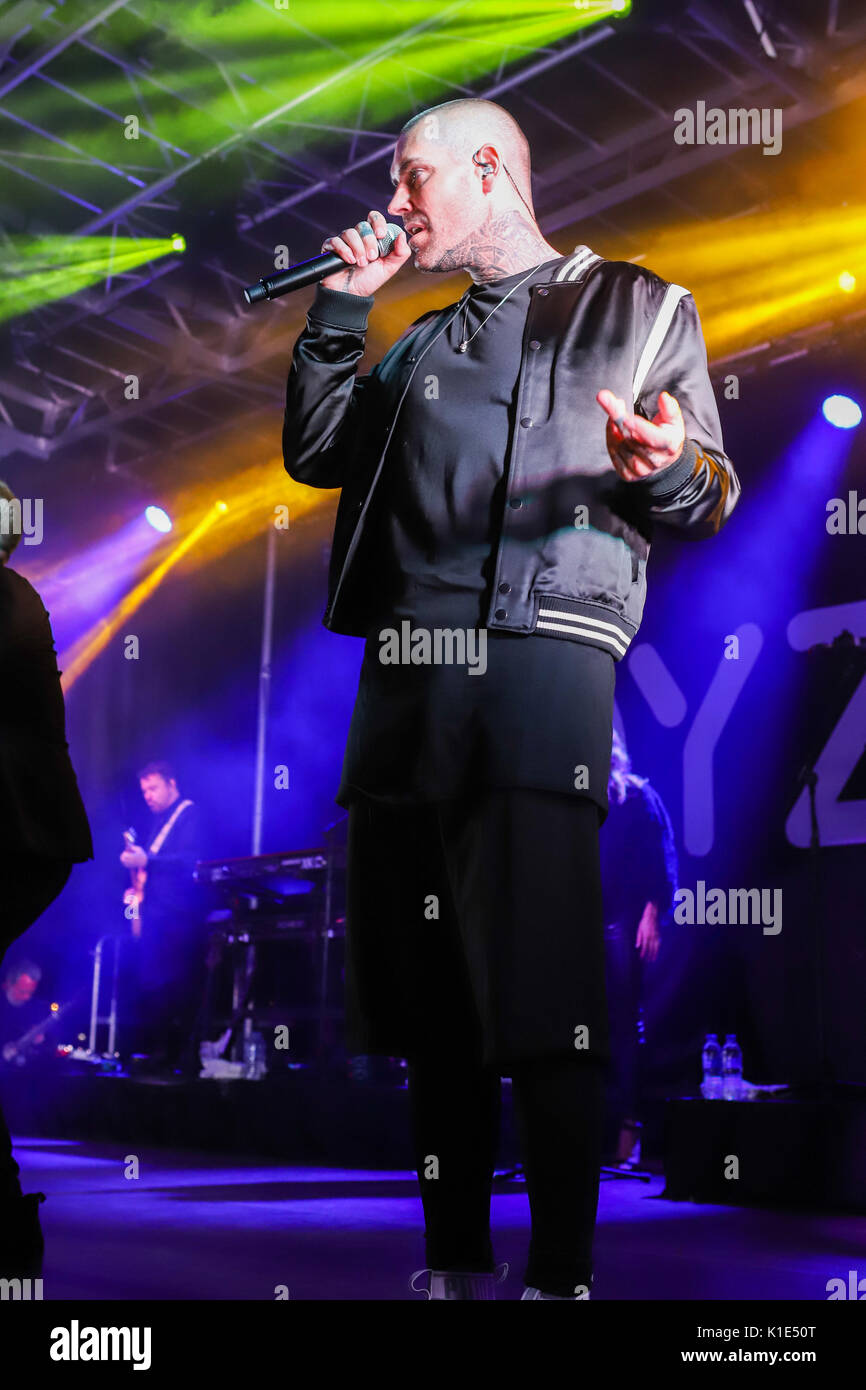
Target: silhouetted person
{"points": [[45, 829], [639, 879]]}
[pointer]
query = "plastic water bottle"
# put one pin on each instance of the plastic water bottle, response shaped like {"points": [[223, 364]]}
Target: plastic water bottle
{"points": [[732, 1068], [711, 1059]]}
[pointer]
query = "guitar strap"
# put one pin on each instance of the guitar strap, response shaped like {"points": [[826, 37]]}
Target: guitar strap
{"points": [[160, 838]]}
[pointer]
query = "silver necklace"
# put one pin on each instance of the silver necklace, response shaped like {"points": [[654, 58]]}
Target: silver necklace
{"points": [[464, 341]]}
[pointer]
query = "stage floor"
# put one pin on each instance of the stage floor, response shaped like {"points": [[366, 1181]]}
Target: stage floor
{"points": [[205, 1226]]}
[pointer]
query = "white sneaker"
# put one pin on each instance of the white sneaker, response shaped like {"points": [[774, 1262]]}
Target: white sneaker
{"points": [[529, 1292], [446, 1283]]}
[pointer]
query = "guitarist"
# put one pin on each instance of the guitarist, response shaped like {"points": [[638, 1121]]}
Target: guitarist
{"points": [[163, 908], [19, 1011]]}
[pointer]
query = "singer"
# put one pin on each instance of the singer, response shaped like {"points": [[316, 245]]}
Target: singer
{"points": [[502, 469]]}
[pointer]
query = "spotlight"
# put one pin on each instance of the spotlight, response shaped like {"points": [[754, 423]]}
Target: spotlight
{"points": [[159, 520], [842, 412], [847, 282], [179, 243]]}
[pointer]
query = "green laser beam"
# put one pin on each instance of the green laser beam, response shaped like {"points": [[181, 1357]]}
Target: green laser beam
{"points": [[36, 271]]}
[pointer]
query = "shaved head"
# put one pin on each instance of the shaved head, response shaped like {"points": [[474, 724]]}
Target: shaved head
{"points": [[466, 125], [461, 174]]}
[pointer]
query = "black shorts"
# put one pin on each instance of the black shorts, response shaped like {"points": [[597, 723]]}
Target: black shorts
{"points": [[475, 927]]}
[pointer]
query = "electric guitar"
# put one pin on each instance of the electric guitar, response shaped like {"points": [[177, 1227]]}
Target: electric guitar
{"points": [[135, 892], [19, 1049]]}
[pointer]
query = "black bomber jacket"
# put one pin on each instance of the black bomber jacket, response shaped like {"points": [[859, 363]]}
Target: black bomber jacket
{"points": [[574, 537]]}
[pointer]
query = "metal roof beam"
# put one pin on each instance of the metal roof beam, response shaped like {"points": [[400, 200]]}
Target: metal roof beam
{"points": [[71, 36], [688, 159], [588, 40]]}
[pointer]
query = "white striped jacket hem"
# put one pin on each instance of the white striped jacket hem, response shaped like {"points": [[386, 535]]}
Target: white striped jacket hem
{"points": [[580, 622]]}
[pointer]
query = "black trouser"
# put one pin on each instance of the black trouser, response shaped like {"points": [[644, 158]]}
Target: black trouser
{"points": [[558, 1107], [161, 986], [29, 883], [496, 983]]}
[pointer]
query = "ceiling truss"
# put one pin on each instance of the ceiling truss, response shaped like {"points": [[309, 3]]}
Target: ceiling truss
{"points": [[208, 364]]}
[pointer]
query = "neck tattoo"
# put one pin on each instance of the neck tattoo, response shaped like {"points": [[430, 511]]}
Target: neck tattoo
{"points": [[502, 246]]}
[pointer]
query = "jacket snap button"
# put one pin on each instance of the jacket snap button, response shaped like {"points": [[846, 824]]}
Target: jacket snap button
{"points": [[515, 502], [505, 588], [534, 345], [542, 291], [526, 422], [501, 613]]}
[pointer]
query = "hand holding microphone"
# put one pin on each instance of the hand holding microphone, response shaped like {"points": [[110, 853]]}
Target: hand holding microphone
{"points": [[367, 269], [372, 252]]}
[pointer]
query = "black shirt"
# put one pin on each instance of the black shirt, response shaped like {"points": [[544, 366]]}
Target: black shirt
{"points": [[442, 493], [171, 894], [537, 710]]}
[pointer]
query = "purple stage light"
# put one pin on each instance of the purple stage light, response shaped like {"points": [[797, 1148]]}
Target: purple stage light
{"points": [[159, 519], [842, 412]]}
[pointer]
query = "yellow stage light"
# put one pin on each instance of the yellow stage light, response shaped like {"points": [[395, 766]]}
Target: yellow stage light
{"points": [[88, 647]]}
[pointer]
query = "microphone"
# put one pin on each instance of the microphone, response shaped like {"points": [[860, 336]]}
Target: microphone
{"points": [[308, 272]]}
